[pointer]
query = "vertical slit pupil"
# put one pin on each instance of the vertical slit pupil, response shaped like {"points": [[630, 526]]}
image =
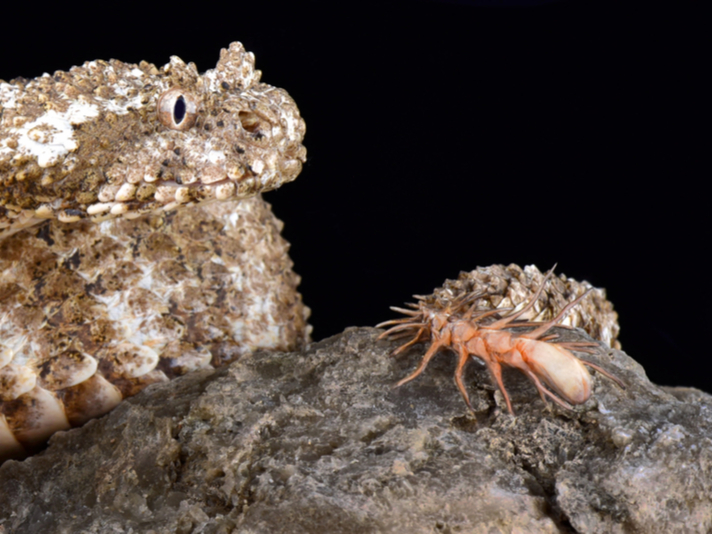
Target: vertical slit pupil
{"points": [[179, 110]]}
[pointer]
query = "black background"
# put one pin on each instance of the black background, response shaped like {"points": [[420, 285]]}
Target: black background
{"points": [[446, 135]]}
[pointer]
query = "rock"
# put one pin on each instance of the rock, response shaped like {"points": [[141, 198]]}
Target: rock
{"points": [[318, 441]]}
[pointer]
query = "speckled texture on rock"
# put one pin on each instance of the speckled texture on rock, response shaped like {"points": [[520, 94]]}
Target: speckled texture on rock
{"points": [[318, 441]]}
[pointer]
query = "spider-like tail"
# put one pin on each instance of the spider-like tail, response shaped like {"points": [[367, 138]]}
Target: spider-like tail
{"points": [[400, 328]]}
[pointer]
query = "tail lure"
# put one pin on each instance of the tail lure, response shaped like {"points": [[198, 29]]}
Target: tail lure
{"points": [[460, 324]]}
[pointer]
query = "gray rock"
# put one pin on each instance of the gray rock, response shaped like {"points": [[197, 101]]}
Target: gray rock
{"points": [[318, 441]]}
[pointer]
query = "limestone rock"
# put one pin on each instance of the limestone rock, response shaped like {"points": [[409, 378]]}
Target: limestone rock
{"points": [[318, 441]]}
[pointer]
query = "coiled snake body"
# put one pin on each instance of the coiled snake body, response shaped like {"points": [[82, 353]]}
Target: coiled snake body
{"points": [[134, 245]]}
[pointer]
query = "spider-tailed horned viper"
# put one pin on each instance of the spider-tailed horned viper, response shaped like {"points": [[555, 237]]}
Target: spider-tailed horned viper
{"points": [[134, 245]]}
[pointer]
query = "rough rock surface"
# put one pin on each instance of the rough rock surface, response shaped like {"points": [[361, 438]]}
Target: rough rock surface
{"points": [[318, 441]]}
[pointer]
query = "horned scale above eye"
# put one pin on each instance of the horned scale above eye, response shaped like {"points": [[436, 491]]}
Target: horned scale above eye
{"points": [[169, 280]]}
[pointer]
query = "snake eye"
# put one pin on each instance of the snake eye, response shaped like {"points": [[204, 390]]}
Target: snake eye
{"points": [[177, 109]]}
